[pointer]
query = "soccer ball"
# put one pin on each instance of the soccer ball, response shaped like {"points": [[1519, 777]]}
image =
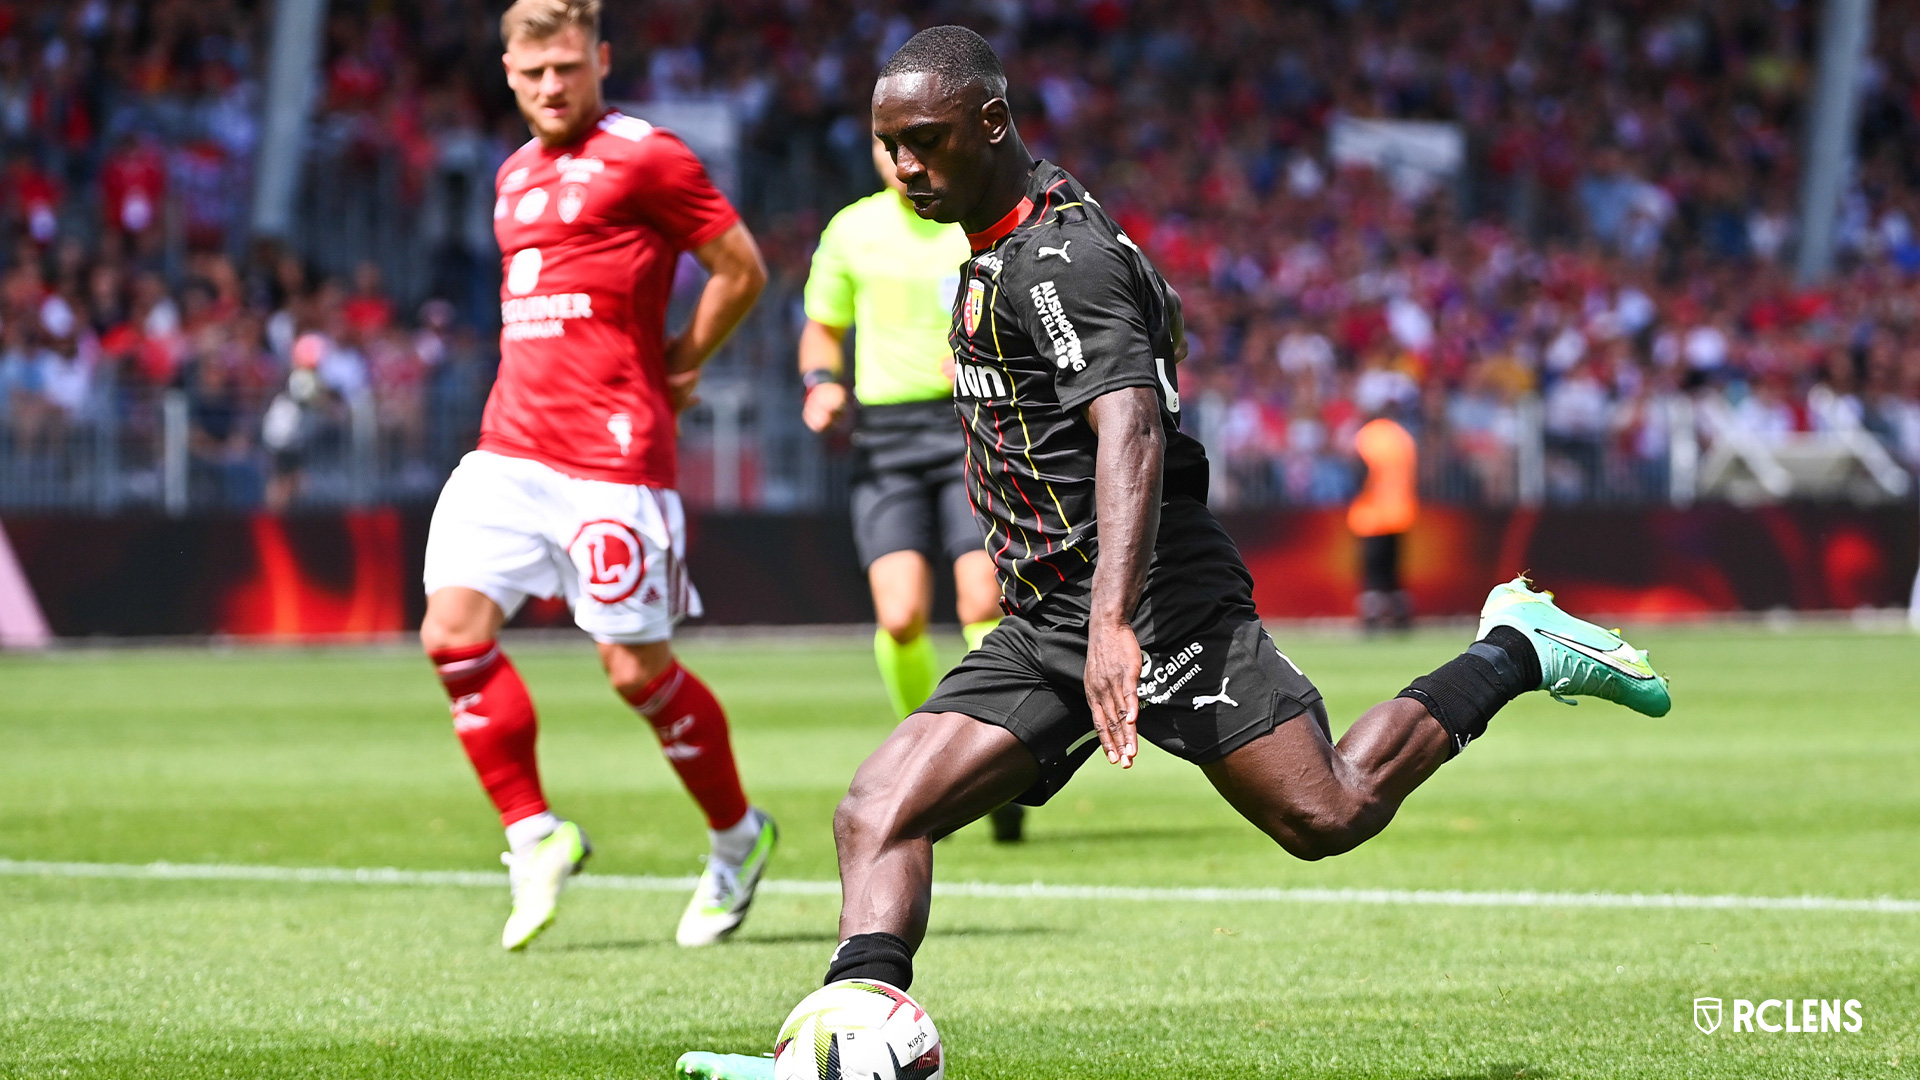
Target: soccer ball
{"points": [[858, 1029]]}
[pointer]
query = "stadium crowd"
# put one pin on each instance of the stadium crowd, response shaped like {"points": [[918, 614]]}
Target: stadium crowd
{"points": [[1620, 231]]}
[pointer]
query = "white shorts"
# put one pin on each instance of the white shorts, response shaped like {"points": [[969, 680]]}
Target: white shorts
{"points": [[512, 528]]}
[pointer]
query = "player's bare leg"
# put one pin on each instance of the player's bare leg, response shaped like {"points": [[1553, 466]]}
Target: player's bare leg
{"points": [[902, 585], [977, 602], [935, 773], [1317, 798], [494, 717], [459, 617], [693, 734], [976, 589]]}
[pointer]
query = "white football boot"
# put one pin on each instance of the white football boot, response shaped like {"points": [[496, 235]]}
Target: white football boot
{"points": [[536, 879], [725, 891]]}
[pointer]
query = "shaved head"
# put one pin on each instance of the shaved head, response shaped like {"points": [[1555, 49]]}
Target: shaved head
{"points": [[955, 55]]}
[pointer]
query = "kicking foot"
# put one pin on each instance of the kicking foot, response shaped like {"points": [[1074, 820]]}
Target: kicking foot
{"points": [[1577, 658], [537, 878], [725, 891]]}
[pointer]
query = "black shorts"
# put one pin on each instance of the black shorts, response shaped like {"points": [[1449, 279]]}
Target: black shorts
{"points": [[909, 483], [1380, 562], [1203, 694]]}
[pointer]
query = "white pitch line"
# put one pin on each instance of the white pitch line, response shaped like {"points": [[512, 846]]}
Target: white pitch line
{"points": [[321, 875]]}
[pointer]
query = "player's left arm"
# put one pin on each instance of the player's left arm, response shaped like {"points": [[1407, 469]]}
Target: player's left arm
{"points": [[669, 191], [738, 275], [1126, 494]]}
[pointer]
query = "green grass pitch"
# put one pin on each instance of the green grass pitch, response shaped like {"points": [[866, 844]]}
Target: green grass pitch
{"points": [[1787, 768]]}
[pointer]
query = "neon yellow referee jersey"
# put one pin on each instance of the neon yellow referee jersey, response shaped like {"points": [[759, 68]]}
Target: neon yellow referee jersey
{"points": [[883, 270]]}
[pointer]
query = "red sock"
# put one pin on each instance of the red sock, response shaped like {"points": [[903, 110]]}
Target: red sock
{"points": [[693, 735], [494, 718]]}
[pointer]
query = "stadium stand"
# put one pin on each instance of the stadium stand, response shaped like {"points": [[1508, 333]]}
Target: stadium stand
{"points": [[1588, 299]]}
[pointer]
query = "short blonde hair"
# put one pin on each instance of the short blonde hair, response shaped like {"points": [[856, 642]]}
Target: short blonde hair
{"points": [[541, 19]]}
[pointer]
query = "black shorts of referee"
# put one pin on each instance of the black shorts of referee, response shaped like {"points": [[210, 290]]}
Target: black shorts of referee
{"points": [[909, 485]]}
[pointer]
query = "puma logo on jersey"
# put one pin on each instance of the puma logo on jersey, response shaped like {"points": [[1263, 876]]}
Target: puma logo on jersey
{"points": [[977, 381], [1201, 701], [1060, 251]]}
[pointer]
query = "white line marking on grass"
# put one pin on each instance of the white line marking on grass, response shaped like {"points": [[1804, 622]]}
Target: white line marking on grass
{"points": [[321, 875]]}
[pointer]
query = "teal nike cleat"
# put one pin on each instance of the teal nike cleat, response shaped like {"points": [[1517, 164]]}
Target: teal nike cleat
{"points": [[537, 878], [1576, 657], [700, 1065]]}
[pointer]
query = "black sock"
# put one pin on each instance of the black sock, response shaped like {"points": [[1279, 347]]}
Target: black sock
{"points": [[1526, 662], [1465, 692], [881, 957]]}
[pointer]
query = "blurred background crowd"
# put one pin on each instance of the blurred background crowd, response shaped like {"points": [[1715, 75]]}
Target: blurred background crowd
{"points": [[1599, 271]]}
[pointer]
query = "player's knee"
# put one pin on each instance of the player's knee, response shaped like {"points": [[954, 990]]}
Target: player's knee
{"points": [[973, 609], [904, 624], [458, 619], [871, 813], [1314, 833], [437, 635], [632, 669], [861, 820], [628, 683]]}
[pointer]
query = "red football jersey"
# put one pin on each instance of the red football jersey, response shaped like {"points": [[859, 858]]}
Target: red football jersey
{"points": [[589, 235]]}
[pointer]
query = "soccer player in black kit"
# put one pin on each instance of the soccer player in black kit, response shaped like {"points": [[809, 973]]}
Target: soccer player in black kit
{"points": [[1129, 611]]}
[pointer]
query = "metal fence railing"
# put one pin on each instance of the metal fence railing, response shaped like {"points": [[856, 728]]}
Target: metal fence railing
{"points": [[224, 444]]}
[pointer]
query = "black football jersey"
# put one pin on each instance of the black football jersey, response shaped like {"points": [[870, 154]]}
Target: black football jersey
{"points": [[1058, 306]]}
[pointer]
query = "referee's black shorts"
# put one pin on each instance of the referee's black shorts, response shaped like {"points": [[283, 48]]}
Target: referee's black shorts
{"points": [[909, 483]]}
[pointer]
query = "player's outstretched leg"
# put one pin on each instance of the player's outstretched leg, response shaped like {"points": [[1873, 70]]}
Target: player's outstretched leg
{"points": [[1318, 798], [692, 728], [494, 717], [935, 773]]}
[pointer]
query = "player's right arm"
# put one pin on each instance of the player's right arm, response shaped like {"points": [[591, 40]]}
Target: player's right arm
{"points": [[738, 274]]}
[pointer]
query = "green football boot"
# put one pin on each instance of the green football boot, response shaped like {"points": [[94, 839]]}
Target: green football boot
{"points": [[537, 878], [701, 1065], [1577, 658]]}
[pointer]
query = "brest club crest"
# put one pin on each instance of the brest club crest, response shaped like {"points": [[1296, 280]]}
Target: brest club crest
{"points": [[610, 560], [976, 299], [1706, 1015]]}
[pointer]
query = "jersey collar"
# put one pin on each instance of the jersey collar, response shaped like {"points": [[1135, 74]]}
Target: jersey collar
{"points": [[993, 233]]}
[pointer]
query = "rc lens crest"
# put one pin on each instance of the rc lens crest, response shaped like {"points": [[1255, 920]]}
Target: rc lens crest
{"points": [[1706, 1014], [976, 301]]}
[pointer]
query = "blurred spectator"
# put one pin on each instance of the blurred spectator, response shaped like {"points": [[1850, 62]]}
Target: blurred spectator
{"points": [[133, 186]]}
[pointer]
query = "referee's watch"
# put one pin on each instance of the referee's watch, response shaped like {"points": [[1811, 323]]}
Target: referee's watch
{"points": [[813, 377]]}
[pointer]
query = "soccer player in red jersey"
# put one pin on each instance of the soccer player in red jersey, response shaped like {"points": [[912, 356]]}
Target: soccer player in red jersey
{"points": [[571, 491]]}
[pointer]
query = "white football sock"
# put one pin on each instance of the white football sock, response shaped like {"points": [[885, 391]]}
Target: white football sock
{"points": [[733, 845], [522, 835]]}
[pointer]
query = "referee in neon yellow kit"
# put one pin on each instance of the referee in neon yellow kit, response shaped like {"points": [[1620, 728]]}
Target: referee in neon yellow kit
{"points": [[909, 490]]}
